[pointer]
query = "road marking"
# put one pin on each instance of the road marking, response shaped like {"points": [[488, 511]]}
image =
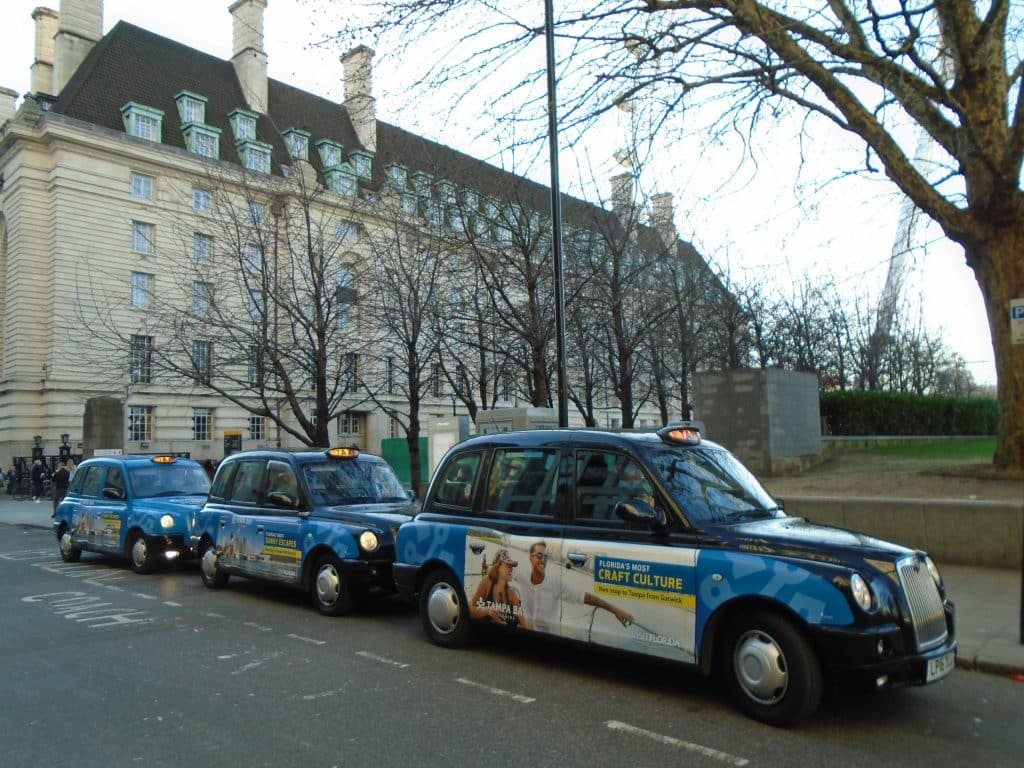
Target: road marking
{"points": [[260, 627], [689, 746], [381, 659], [257, 663], [496, 691], [28, 554], [144, 596], [323, 694], [307, 639], [88, 609], [172, 604], [212, 615]]}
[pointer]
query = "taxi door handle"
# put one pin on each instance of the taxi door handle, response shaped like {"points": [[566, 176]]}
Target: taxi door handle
{"points": [[578, 559], [259, 529]]}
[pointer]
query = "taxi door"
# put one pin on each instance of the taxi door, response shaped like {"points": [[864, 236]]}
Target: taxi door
{"points": [[624, 585], [279, 529], [98, 522]]}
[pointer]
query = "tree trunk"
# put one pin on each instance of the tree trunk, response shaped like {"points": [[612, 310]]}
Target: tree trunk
{"points": [[998, 264]]}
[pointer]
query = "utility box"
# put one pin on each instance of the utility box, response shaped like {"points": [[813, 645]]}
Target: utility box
{"points": [[769, 418], [514, 419]]}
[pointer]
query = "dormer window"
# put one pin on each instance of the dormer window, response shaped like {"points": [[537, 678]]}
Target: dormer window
{"points": [[298, 143], [421, 181], [255, 155], [362, 162], [470, 200], [397, 175], [202, 139], [331, 153], [343, 181], [142, 122], [191, 107], [409, 203], [447, 193], [243, 124]]}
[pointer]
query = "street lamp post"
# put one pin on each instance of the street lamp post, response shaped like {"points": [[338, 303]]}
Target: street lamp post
{"points": [[556, 219]]}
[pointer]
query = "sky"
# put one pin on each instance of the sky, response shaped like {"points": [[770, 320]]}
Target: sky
{"points": [[747, 223]]}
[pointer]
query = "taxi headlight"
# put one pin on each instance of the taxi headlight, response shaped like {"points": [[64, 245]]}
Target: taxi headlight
{"points": [[862, 593], [933, 570], [368, 541], [167, 521]]}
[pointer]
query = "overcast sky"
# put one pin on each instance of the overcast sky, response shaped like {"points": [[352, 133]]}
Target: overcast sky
{"points": [[753, 227]]}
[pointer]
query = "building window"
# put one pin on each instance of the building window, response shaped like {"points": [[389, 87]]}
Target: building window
{"points": [[398, 176], [202, 361], [343, 181], [255, 307], [347, 232], [202, 140], [142, 237], [257, 428], [330, 152], [142, 186], [255, 373], [253, 257], [389, 376], [142, 290], [202, 298], [350, 372], [202, 248], [409, 203], [432, 211], [255, 155], [350, 423], [140, 359], [436, 386], [363, 163], [243, 124], [191, 107], [202, 423], [345, 294], [255, 213], [421, 181], [298, 143], [142, 122], [140, 423], [202, 200]]}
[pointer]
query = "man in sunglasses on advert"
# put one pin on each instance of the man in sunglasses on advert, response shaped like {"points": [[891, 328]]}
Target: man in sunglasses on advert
{"points": [[542, 599]]}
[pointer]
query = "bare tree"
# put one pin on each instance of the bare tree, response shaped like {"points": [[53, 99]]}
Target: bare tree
{"points": [[871, 70]]}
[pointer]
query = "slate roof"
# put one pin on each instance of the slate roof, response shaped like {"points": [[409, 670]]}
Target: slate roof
{"points": [[131, 64]]}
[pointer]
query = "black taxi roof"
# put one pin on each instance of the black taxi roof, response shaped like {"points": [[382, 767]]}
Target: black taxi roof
{"points": [[540, 438]]}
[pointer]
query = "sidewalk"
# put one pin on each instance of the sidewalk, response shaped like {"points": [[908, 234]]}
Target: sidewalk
{"points": [[988, 600]]}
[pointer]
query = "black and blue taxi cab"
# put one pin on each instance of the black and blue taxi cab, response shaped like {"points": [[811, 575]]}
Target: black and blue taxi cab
{"points": [[320, 520], [664, 544], [136, 506]]}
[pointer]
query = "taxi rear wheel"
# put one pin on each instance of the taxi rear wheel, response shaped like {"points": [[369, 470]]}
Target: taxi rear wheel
{"points": [[69, 553], [140, 558], [331, 593], [209, 567], [772, 670], [444, 610]]}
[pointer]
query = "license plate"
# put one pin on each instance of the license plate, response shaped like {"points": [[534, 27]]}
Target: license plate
{"points": [[940, 666]]}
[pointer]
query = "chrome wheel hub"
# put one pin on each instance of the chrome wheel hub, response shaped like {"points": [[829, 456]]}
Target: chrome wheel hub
{"points": [[65, 542], [328, 585], [139, 551], [761, 667], [209, 563], [443, 608]]}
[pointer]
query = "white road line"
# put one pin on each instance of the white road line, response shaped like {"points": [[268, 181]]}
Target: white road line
{"points": [[172, 604], [144, 596], [689, 746], [496, 691], [323, 695], [212, 615], [306, 639], [381, 659], [260, 627]]}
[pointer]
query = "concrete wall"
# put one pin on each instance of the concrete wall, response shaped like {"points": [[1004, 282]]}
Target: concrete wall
{"points": [[985, 533]]}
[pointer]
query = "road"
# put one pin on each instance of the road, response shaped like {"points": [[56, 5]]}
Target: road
{"points": [[106, 668]]}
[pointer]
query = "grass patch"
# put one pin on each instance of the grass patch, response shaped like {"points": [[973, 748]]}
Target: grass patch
{"points": [[968, 450]]}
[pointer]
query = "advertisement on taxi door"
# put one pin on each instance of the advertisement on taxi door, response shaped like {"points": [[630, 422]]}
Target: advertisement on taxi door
{"points": [[632, 597]]}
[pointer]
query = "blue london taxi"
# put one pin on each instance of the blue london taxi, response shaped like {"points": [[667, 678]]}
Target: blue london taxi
{"points": [[665, 545], [320, 520], [137, 506]]}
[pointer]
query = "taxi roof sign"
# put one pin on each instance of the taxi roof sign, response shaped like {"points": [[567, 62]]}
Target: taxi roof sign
{"points": [[683, 433], [342, 453], [164, 459]]}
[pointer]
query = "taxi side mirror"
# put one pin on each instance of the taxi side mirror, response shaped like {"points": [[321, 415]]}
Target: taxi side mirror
{"points": [[641, 512]]}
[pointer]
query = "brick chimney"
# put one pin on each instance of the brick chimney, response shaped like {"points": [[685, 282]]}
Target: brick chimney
{"points": [[249, 58], [79, 28], [622, 194], [663, 218], [359, 101], [42, 62]]}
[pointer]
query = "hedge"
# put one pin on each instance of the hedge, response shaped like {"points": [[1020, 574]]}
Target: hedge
{"points": [[857, 413]]}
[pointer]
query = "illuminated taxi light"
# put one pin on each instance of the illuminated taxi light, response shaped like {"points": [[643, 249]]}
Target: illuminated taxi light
{"points": [[368, 541], [681, 434], [164, 459], [342, 453], [167, 521], [171, 554]]}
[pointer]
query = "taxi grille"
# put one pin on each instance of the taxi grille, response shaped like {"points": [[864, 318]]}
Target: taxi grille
{"points": [[925, 603]]}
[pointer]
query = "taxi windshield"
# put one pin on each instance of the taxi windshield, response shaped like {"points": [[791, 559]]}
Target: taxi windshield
{"points": [[360, 481], [712, 486], [178, 479]]}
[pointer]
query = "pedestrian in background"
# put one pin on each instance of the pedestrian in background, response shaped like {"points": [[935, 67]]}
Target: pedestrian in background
{"points": [[61, 478], [38, 476]]}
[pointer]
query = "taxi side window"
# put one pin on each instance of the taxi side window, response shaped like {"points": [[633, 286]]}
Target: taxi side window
{"points": [[222, 481], [247, 482], [92, 481], [523, 481], [281, 479], [603, 479], [115, 482], [456, 485]]}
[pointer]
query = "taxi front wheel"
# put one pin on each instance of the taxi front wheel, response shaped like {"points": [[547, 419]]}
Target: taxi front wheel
{"points": [[772, 670], [444, 611], [139, 557], [69, 553], [331, 593], [209, 567]]}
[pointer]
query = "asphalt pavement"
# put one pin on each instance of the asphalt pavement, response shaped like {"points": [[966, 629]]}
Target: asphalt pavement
{"points": [[989, 601]]}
